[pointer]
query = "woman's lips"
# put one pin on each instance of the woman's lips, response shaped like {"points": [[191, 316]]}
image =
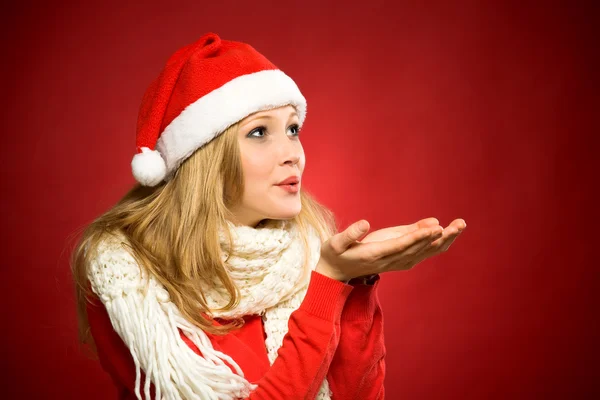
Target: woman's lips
{"points": [[290, 188]]}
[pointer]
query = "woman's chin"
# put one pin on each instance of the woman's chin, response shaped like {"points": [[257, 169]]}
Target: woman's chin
{"points": [[284, 213]]}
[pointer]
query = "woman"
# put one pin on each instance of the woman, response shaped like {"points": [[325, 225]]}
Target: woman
{"points": [[216, 276]]}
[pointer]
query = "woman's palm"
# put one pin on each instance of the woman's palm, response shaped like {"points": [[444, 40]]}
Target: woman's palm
{"points": [[397, 231]]}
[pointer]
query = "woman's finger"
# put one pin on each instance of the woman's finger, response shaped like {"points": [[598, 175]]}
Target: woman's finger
{"points": [[446, 245], [379, 250], [423, 223], [342, 241], [413, 251], [419, 252], [431, 221], [427, 252], [441, 245], [455, 227]]}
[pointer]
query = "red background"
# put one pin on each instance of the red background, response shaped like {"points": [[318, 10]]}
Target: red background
{"points": [[475, 110]]}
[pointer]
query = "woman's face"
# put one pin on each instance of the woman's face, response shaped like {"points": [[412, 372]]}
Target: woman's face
{"points": [[271, 152]]}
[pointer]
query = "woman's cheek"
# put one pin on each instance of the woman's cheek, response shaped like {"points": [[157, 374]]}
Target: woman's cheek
{"points": [[256, 167]]}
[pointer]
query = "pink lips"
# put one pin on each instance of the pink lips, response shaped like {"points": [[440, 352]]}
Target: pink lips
{"points": [[291, 184], [290, 188], [290, 180]]}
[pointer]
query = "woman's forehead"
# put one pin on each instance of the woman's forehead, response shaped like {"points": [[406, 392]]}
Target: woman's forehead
{"points": [[283, 111], [288, 109]]}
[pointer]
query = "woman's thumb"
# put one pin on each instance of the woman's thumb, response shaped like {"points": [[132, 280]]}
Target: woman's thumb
{"points": [[349, 236], [357, 229]]}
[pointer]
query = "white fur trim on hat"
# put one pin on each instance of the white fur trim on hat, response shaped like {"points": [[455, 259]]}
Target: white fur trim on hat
{"points": [[148, 167], [213, 113]]}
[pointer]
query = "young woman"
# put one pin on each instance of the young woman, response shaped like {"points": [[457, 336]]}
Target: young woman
{"points": [[217, 276]]}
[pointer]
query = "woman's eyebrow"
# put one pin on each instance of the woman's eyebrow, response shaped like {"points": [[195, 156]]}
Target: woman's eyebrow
{"points": [[292, 114]]}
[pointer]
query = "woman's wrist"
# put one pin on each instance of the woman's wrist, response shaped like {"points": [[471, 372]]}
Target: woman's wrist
{"points": [[325, 269], [365, 280]]}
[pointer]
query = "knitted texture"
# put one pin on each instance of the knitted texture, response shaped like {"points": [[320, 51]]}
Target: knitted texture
{"points": [[265, 263]]}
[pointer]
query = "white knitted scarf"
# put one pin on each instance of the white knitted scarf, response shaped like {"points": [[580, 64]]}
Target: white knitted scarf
{"points": [[265, 264]]}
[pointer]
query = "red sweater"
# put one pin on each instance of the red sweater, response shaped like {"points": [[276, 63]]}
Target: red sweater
{"points": [[336, 332]]}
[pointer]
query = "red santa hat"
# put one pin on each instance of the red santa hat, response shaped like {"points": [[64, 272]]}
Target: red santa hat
{"points": [[204, 88]]}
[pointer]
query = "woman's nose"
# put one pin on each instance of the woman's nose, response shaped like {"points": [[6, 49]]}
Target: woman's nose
{"points": [[291, 151], [292, 159]]}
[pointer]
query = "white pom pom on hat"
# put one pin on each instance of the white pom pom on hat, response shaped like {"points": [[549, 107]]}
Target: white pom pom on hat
{"points": [[148, 167], [204, 88]]}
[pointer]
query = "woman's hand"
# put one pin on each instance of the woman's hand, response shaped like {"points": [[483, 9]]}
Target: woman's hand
{"points": [[344, 257], [456, 226]]}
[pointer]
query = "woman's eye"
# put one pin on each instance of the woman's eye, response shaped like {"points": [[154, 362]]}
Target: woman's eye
{"points": [[261, 132], [295, 129], [260, 129]]}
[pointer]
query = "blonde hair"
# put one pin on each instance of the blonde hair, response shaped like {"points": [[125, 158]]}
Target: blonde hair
{"points": [[172, 231]]}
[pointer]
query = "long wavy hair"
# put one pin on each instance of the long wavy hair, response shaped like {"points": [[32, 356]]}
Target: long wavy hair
{"points": [[172, 231]]}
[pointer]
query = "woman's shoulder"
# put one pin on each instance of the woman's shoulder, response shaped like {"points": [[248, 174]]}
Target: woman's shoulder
{"points": [[113, 267], [112, 239], [111, 244], [113, 248]]}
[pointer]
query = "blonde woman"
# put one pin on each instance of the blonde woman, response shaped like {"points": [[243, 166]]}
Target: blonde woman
{"points": [[217, 276]]}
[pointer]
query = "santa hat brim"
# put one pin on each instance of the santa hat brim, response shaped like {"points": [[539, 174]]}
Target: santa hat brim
{"points": [[213, 113]]}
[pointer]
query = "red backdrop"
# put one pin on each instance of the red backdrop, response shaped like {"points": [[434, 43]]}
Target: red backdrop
{"points": [[475, 110]]}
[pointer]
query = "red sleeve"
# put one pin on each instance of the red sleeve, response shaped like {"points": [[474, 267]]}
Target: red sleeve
{"points": [[310, 344], [358, 367], [303, 359]]}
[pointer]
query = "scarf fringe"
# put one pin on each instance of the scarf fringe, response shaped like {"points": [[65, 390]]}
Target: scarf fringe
{"points": [[176, 371]]}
